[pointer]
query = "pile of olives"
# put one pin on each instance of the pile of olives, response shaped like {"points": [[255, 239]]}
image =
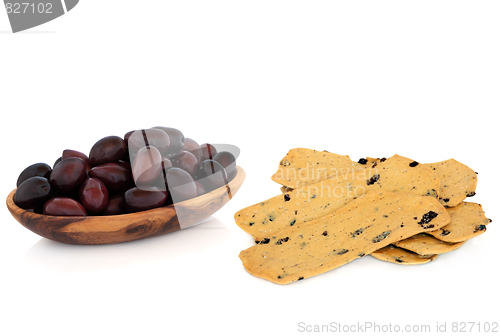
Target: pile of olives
{"points": [[145, 169]]}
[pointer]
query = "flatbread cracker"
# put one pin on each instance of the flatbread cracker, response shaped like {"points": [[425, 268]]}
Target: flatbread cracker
{"points": [[363, 226], [285, 190], [468, 220], [264, 219], [401, 256], [424, 244], [457, 181], [303, 166]]}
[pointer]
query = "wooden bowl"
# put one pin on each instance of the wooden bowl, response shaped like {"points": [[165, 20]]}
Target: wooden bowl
{"points": [[97, 230]]}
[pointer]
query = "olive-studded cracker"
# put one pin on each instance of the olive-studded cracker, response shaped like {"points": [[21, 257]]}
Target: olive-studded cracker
{"points": [[306, 166], [468, 220], [304, 204], [371, 162], [285, 190], [397, 255], [303, 166], [424, 244], [457, 181], [363, 226], [365, 163]]}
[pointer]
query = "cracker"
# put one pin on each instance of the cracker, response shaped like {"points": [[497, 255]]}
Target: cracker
{"points": [[468, 220], [371, 162], [401, 256], [303, 166], [363, 226], [285, 190], [424, 244], [457, 181], [304, 204]]}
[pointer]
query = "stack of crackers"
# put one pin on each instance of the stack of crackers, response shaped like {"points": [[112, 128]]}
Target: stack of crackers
{"points": [[333, 210]]}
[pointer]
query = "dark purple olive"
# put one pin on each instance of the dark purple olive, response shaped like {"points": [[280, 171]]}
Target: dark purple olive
{"points": [[192, 146], [186, 161], [67, 153], [32, 193], [146, 166], [109, 149], [93, 195], [208, 152], [37, 169], [161, 183], [116, 176], [126, 157], [227, 160], [63, 206], [149, 137], [138, 200], [180, 184], [166, 163], [116, 206], [211, 175], [125, 164], [127, 135], [68, 174], [176, 140], [57, 161]]}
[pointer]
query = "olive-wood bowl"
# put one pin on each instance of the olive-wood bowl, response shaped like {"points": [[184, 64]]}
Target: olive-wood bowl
{"points": [[97, 230]]}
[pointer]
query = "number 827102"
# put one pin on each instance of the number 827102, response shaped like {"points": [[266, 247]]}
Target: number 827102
{"points": [[28, 8]]}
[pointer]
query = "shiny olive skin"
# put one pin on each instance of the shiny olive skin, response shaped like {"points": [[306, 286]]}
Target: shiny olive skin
{"points": [[125, 164], [116, 176], [57, 162], [146, 166], [228, 161], [192, 146], [68, 174], [177, 140], [166, 163], [180, 184], [67, 153], [149, 137], [207, 152], [186, 161], [93, 195], [126, 136], [211, 175], [37, 169], [108, 149], [32, 192], [116, 206], [161, 182], [140, 200], [63, 206]]}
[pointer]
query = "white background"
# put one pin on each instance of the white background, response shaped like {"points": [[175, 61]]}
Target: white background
{"points": [[364, 78]]}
